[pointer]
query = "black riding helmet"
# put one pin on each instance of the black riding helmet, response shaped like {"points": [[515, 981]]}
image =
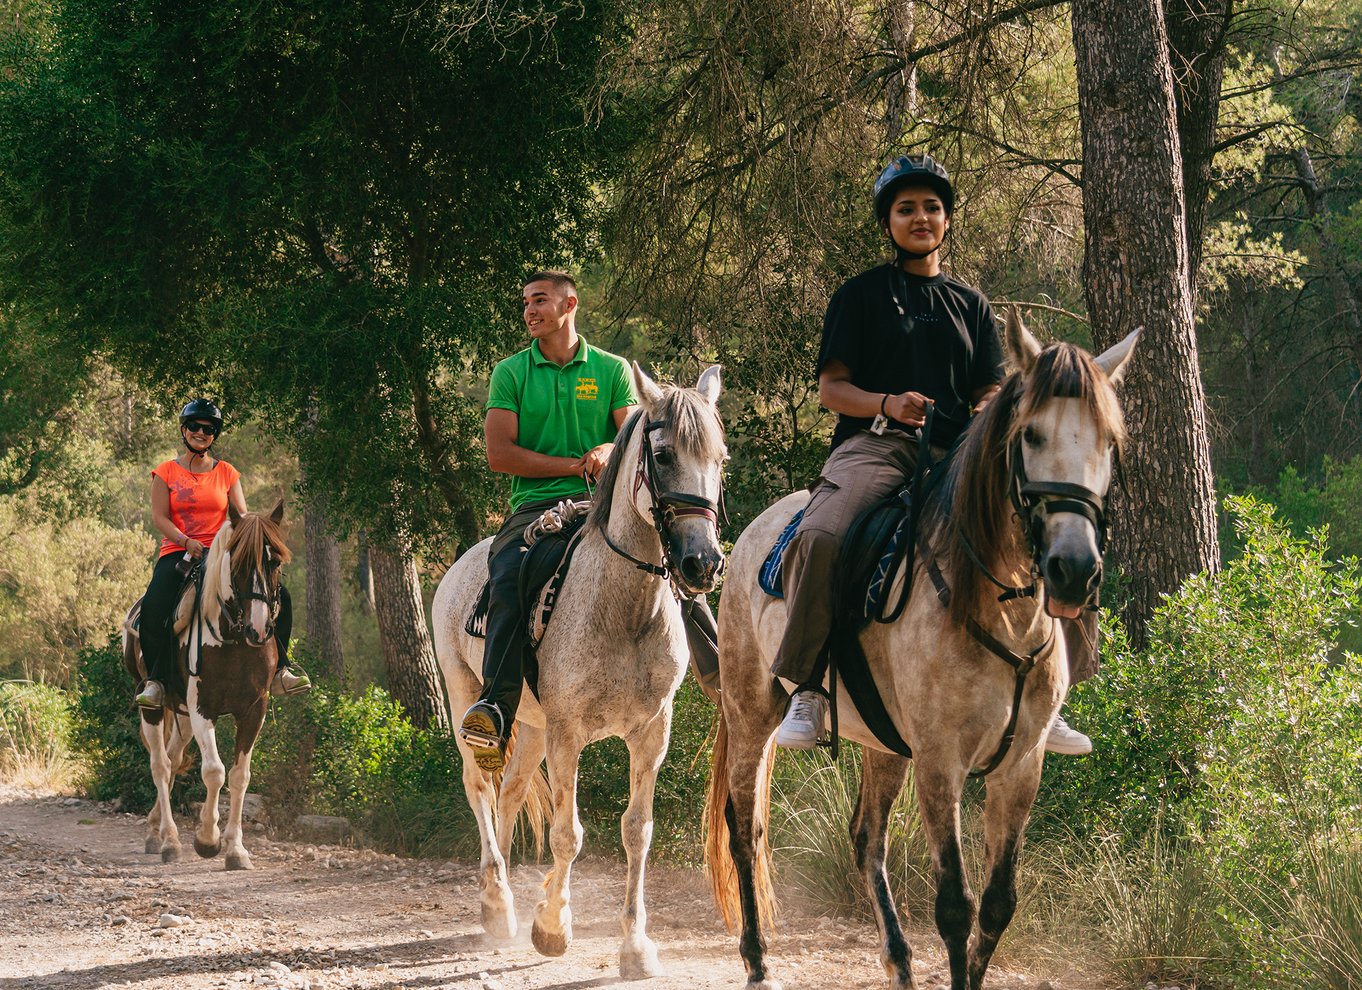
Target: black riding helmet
{"points": [[201, 409], [922, 170]]}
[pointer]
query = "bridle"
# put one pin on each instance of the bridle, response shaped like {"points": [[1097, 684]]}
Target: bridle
{"points": [[1034, 502], [237, 608], [665, 508]]}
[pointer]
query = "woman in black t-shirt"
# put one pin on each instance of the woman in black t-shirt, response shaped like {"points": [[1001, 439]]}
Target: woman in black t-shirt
{"points": [[894, 338]]}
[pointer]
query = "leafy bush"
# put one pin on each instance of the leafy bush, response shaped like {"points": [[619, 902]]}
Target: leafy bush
{"points": [[1240, 708], [107, 733], [358, 756], [64, 586], [35, 735]]}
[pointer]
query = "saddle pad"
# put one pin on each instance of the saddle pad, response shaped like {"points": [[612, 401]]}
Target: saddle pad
{"points": [[865, 570], [543, 567], [769, 575]]}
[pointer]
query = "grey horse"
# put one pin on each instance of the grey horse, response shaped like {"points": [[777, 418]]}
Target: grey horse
{"points": [[1021, 503], [611, 659]]}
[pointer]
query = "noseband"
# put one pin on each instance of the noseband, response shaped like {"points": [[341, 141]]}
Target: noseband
{"points": [[1035, 500], [238, 607], [665, 507]]}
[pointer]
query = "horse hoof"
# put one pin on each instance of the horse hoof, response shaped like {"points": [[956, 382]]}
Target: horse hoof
{"points": [[207, 849], [153, 846], [170, 854], [641, 965], [239, 862], [550, 943], [763, 985], [498, 923]]}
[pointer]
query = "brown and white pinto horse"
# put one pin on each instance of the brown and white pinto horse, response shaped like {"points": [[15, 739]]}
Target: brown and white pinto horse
{"points": [[958, 670], [227, 659]]}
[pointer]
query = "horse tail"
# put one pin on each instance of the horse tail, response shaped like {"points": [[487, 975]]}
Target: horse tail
{"points": [[723, 872]]}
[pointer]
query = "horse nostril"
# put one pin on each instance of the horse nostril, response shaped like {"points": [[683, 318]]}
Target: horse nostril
{"points": [[1057, 571], [692, 569]]}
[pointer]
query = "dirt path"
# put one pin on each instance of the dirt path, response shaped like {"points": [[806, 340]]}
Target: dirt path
{"points": [[80, 905]]}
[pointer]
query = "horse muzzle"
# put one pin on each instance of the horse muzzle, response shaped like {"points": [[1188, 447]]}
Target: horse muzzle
{"points": [[1071, 579], [698, 573]]}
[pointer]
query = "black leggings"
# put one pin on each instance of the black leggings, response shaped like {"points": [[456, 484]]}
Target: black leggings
{"points": [[158, 608]]}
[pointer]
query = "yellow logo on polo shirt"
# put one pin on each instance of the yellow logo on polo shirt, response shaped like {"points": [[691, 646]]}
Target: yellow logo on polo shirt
{"points": [[586, 389]]}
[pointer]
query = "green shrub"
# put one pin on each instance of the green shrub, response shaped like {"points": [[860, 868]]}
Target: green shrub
{"points": [[106, 730], [35, 736], [1241, 713]]}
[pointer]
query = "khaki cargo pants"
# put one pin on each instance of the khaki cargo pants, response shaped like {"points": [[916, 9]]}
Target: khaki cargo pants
{"points": [[863, 470]]}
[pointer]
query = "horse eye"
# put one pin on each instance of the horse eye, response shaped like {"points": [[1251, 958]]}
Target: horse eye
{"points": [[1032, 437], [663, 456]]}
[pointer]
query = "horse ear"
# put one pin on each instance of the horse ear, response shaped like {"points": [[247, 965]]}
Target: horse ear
{"points": [[709, 384], [233, 516], [645, 388], [1115, 358], [1023, 347], [277, 516]]}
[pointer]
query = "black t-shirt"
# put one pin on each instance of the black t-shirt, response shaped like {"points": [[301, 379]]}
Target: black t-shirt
{"points": [[944, 344]]}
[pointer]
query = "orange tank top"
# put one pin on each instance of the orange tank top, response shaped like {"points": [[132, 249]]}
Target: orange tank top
{"points": [[198, 502]]}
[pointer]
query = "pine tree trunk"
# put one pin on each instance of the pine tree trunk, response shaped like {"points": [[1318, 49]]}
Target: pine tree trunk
{"points": [[364, 575], [323, 591], [1136, 273], [413, 675], [1196, 38]]}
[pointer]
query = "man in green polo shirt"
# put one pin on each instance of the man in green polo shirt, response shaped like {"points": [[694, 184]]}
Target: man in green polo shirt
{"points": [[552, 412]]}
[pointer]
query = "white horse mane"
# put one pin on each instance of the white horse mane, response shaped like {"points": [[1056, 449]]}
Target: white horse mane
{"points": [[217, 590]]}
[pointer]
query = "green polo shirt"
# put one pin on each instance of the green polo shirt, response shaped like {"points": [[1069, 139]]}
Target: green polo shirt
{"points": [[563, 412]]}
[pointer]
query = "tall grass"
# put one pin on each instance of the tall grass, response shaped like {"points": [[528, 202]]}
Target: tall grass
{"points": [[812, 801], [35, 737], [1152, 910], [1323, 919]]}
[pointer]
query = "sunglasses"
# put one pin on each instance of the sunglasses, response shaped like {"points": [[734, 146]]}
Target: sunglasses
{"points": [[208, 429]]}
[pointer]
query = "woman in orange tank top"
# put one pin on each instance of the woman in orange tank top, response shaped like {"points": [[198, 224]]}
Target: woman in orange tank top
{"points": [[189, 498]]}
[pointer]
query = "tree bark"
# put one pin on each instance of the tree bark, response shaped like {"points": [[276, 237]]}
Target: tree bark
{"points": [[1136, 273], [413, 675], [1196, 37], [323, 591]]}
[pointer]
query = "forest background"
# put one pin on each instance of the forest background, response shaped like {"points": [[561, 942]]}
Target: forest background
{"points": [[320, 216]]}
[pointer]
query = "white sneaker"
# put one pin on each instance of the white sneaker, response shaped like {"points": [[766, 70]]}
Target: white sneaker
{"points": [[1066, 741], [803, 722]]}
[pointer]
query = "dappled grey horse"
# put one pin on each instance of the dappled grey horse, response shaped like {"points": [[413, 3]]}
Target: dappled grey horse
{"points": [[1019, 506], [611, 658]]}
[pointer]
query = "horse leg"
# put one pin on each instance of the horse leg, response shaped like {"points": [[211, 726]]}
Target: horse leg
{"points": [[552, 931], [647, 747], [248, 726], [162, 835], [939, 802], [1006, 810], [207, 838], [498, 906], [518, 785], [747, 772], [882, 776]]}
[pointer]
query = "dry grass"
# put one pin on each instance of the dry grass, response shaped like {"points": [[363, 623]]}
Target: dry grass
{"points": [[35, 739]]}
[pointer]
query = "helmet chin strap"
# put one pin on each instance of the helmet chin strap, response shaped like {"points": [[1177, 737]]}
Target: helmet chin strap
{"points": [[195, 454]]}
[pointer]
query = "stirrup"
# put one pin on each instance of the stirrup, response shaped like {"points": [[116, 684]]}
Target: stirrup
{"points": [[483, 729], [152, 696], [301, 683]]}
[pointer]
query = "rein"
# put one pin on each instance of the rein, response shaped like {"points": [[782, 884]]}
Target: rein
{"points": [[665, 508]]}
